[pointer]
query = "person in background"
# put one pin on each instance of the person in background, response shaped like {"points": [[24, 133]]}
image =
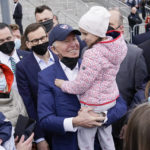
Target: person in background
{"points": [[17, 35], [44, 16], [134, 19], [134, 72], [17, 15], [137, 132], [11, 103], [8, 54]]}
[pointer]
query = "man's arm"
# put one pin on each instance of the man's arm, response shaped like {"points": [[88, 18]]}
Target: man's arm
{"points": [[116, 112], [25, 92], [50, 120]]}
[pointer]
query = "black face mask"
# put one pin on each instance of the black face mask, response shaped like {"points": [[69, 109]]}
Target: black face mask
{"points": [[7, 47], [48, 24], [110, 28], [70, 62], [40, 49]]}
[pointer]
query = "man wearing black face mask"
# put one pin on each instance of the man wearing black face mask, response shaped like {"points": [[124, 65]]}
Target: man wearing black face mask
{"points": [[44, 16], [27, 75], [8, 54]]}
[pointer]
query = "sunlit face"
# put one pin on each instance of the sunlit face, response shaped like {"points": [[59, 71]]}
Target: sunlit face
{"points": [[67, 48], [5, 36], [44, 16], [88, 37]]}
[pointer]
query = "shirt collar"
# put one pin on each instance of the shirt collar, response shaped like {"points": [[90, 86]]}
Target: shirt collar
{"points": [[39, 60]]}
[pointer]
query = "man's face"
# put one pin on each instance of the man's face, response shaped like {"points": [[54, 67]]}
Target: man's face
{"points": [[114, 21], [36, 37], [5, 36], [44, 16], [67, 48]]}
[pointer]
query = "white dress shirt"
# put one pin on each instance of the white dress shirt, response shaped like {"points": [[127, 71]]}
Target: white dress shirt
{"points": [[71, 75], [5, 59], [42, 63]]}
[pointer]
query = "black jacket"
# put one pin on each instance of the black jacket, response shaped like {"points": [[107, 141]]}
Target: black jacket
{"points": [[134, 19], [18, 12]]}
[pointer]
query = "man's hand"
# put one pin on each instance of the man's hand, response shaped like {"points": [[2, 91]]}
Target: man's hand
{"points": [[84, 119], [24, 145], [59, 82], [43, 145]]}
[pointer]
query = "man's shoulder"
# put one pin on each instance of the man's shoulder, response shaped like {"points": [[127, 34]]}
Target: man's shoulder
{"points": [[22, 53], [134, 50], [26, 60]]}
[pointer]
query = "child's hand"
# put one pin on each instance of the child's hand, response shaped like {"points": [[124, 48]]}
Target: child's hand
{"points": [[1, 141], [59, 82]]}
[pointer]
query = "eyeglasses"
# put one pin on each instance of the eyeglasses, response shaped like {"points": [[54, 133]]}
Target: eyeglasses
{"points": [[36, 41]]}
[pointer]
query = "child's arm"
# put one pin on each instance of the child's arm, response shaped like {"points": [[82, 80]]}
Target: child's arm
{"points": [[88, 72], [5, 129]]}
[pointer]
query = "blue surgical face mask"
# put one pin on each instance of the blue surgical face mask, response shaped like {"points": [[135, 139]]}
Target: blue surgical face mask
{"points": [[17, 43], [3, 83]]}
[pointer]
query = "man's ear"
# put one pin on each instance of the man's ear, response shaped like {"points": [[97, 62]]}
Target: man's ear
{"points": [[54, 50], [28, 44]]}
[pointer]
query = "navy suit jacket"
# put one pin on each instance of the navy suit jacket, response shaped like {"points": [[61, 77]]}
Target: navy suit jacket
{"points": [[21, 53], [54, 106], [27, 82], [5, 128], [140, 38]]}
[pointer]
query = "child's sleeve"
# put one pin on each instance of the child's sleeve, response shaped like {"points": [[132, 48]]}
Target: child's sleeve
{"points": [[5, 128], [88, 72]]}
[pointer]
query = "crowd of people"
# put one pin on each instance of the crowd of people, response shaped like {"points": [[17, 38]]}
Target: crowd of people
{"points": [[86, 89]]}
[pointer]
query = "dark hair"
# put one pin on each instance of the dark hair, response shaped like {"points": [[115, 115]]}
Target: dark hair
{"points": [[4, 25], [31, 28], [41, 8], [138, 128]]}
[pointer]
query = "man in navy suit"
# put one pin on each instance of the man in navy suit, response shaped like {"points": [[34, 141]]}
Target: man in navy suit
{"points": [[17, 15], [7, 49], [27, 74], [58, 111]]}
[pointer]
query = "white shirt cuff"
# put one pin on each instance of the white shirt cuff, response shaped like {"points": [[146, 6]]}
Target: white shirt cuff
{"points": [[39, 140], [68, 126]]}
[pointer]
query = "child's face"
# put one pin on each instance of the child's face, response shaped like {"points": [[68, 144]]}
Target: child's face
{"points": [[88, 37]]}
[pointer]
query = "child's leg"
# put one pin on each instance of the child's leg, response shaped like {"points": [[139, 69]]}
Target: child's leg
{"points": [[105, 138], [86, 137]]}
